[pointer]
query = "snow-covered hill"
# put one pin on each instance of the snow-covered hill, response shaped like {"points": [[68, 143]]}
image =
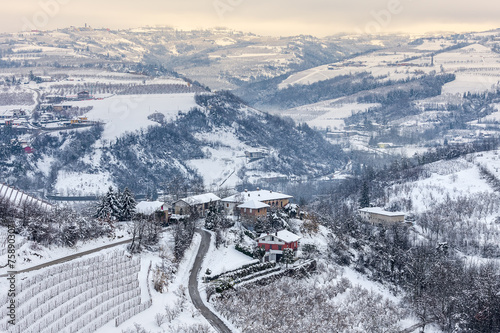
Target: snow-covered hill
{"points": [[175, 142], [219, 58]]}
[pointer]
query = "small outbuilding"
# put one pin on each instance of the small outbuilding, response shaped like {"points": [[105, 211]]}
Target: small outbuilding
{"points": [[377, 215]]}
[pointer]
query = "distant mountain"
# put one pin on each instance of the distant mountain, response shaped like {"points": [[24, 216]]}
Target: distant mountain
{"points": [[218, 58]]}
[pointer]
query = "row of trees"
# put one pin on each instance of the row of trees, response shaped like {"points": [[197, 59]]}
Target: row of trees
{"points": [[58, 226]]}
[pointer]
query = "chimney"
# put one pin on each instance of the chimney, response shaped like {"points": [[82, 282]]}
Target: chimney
{"points": [[246, 190], [270, 191], [258, 189], [276, 233]]}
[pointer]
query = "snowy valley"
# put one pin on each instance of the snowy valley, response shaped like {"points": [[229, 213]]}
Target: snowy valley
{"points": [[161, 180]]}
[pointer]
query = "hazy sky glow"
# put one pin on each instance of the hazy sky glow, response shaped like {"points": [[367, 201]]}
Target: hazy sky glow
{"points": [[265, 17]]}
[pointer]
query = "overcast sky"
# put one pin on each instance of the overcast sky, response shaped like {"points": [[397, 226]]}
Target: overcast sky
{"points": [[265, 17]]}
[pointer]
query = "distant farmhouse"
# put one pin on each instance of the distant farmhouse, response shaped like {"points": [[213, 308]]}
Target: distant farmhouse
{"points": [[83, 95], [200, 203], [248, 201], [255, 155], [275, 243], [377, 215]]}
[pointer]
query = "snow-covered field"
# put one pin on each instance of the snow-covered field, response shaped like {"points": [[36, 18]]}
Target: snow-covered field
{"points": [[129, 113], [448, 180], [76, 184], [327, 114]]}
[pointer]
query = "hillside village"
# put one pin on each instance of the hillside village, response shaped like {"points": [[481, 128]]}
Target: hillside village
{"points": [[354, 180]]}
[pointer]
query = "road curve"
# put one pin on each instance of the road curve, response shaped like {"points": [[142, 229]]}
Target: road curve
{"points": [[212, 318], [68, 258]]}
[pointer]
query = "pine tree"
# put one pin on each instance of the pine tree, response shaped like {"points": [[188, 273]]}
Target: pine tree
{"points": [[288, 256], [109, 206], [127, 205], [103, 210], [113, 202], [364, 201]]}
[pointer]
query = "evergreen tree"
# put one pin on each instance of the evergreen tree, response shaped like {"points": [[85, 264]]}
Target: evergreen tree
{"points": [[109, 206], [127, 205], [103, 211], [113, 202], [364, 201], [288, 256]]}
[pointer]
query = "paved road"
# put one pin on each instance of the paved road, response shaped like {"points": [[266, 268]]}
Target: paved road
{"points": [[68, 258], [215, 321]]}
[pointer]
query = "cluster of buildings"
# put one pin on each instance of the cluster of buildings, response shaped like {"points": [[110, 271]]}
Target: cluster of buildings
{"points": [[254, 204], [15, 118], [19, 119], [246, 204]]}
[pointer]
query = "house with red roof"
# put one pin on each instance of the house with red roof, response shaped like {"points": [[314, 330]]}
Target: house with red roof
{"points": [[275, 243]]}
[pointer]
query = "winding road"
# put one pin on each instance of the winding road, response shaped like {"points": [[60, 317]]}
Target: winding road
{"points": [[212, 318], [194, 293]]}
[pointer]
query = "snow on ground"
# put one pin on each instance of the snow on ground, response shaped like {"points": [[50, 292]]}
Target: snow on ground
{"points": [[170, 298], [375, 63], [77, 183], [326, 114], [225, 156], [495, 116], [31, 254], [128, 113], [474, 83], [435, 44], [225, 258], [448, 179]]}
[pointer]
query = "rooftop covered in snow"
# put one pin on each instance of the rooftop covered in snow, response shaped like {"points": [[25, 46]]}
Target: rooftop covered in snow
{"points": [[259, 195], [149, 207], [253, 204], [283, 235], [199, 199], [381, 211]]}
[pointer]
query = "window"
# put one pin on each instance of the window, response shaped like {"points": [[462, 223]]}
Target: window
{"points": [[227, 205], [250, 210], [279, 247], [272, 238]]}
